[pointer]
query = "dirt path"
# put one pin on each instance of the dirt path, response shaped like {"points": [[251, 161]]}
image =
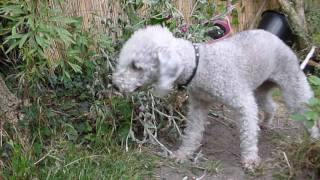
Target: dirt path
{"points": [[221, 143]]}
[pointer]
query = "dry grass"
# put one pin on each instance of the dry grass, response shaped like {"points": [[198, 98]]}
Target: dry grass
{"points": [[298, 158]]}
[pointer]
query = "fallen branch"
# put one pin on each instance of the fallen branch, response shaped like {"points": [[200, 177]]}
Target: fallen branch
{"points": [[306, 60]]}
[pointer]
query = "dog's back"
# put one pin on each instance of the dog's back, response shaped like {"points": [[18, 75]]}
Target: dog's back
{"points": [[254, 55]]}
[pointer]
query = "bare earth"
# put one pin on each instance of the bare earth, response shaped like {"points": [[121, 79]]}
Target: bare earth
{"points": [[221, 144]]}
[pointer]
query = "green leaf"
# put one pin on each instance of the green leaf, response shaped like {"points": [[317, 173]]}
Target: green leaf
{"points": [[314, 80], [298, 117], [12, 46], [14, 36], [65, 35], [24, 39], [41, 41], [66, 74], [80, 60], [314, 102], [75, 67], [62, 19], [30, 22], [311, 115]]}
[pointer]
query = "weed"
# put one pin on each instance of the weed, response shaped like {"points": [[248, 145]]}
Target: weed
{"points": [[311, 116], [298, 158], [51, 46]]}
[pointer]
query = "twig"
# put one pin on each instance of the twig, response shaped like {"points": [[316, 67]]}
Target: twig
{"points": [[87, 157], [182, 116], [1, 128], [130, 132], [283, 128], [287, 160], [176, 126], [222, 116], [306, 60], [171, 118], [228, 11], [227, 125], [201, 177], [193, 8], [43, 157], [197, 156], [56, 158], [157, 141], [263, 4]]}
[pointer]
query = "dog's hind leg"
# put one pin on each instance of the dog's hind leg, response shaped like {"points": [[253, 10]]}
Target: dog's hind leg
{"points": [[264, 99], [197, 115]]}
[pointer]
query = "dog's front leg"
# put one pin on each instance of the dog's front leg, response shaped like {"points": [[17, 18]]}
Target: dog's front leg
{"points": [[197, 115], [247, 113]]}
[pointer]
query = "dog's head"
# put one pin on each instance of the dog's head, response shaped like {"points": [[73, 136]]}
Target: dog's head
{"points": [[148, 58]]}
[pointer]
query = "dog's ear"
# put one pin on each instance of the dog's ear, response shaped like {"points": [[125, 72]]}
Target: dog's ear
{"points": [[170, 67]]}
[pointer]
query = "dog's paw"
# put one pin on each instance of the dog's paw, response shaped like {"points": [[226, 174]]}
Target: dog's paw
{"points": [[250, 164], [179, 156]]}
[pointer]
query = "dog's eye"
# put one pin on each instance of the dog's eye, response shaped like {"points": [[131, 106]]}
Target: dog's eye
{"points": [[135, 67]]}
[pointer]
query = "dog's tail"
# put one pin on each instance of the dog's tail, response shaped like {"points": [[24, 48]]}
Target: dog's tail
{"points": [[296, 90]]}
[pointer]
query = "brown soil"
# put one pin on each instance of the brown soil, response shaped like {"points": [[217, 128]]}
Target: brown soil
{"points": [[221, 143]]}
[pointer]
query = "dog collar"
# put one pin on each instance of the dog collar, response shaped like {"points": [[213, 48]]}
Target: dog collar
{"points": [[197, 57]]}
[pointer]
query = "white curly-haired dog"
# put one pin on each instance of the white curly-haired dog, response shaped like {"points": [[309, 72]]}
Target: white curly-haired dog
{"points": [[239, 71]]}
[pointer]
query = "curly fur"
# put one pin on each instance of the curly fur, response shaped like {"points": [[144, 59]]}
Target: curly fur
{"points": [[239, 71]]}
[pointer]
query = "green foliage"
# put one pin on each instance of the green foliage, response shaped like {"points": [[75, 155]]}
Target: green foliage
{"points": [[315, 83], [65, 160], [313, 113], [48, 43]]}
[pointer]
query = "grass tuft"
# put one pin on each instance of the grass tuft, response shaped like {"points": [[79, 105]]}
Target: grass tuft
{"points": [[298, 158]]}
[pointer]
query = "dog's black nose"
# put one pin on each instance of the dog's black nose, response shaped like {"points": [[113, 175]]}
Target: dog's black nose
{"points": [[115, 87]]}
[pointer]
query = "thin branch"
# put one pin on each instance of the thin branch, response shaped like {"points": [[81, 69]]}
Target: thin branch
{"points": [[306, 60], [287, 160], [254, 21], [87, 157], [43, 157]]}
